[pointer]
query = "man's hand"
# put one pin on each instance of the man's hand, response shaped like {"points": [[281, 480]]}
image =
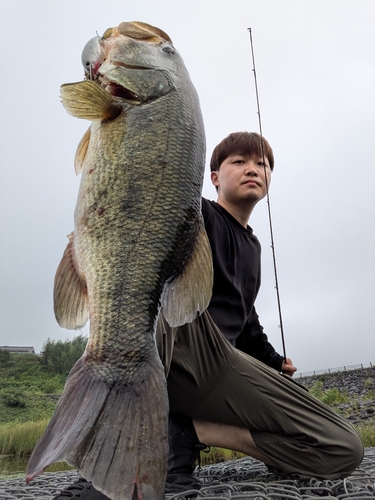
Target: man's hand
{"points": [[288, 368]]}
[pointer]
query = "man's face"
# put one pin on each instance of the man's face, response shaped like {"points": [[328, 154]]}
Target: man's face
{"points": [[241, 178]]}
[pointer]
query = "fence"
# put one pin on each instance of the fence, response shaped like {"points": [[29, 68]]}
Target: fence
{"points": [[334, 370]]}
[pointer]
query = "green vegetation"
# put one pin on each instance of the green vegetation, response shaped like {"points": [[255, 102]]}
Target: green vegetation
{"points": [[215, 455], [4, 356], [30, 386], [368, 383], [330, 397], [367, 433], [370, 395], [31, 408], [58, 357], [20, 439]]}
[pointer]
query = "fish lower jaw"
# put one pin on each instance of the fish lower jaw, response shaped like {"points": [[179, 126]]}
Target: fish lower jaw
{"points": [[117, 90]]}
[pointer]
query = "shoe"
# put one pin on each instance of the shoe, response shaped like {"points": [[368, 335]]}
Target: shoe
{"points": [[184, 452], [81, 489], [180, 482]]}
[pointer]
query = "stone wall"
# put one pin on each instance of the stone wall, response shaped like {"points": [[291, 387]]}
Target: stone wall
{"points": [[357, 385]]}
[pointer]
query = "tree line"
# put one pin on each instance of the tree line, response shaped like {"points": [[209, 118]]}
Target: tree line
{"points": [[58, 357]]}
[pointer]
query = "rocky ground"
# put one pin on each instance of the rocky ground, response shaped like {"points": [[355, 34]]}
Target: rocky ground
{"points": [[359, 388]]}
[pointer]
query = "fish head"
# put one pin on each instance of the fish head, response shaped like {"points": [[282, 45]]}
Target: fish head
{"points": [[135, 62], [139, 45]]}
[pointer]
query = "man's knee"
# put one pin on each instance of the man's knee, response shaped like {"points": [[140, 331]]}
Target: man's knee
{"points": [[334, 457], [346, 455], [357, 450]]}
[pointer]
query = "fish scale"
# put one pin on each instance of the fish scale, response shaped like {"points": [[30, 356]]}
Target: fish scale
{"points": [[138, 250]]}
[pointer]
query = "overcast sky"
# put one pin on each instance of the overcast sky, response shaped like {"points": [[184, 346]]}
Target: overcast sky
{"points": [[315, 62]]}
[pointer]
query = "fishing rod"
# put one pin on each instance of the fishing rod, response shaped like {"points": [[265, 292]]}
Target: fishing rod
{"points": [[268, 199]]}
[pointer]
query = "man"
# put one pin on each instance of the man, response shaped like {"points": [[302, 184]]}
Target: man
{"points": [[224, 382], [221, 391]]}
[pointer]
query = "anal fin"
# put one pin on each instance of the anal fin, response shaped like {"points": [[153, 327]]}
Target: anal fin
{"points": [[70, 299], [190, 293]]}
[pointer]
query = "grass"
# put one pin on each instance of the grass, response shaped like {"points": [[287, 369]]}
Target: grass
{"points": [[36, 407], [20, 438], [26, 372], [215, 455], [24, 383], [367, 433], [330, 396]]}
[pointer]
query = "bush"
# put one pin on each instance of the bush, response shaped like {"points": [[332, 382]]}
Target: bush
{"points": [[4, 356], [7, 383], [14, 399], [317, 389], [330, 396], [334, 397], [53, 385], [59, 357]]}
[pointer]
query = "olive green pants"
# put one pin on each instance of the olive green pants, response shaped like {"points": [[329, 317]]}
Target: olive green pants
{"points": [[208, 379]]}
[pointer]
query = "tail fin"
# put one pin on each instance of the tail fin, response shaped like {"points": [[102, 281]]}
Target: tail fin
{"points": [[116, 435]]}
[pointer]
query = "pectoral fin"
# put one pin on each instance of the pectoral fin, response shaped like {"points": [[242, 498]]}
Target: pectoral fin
{"points": [[88, 100], [70, 292], [190, 293]]}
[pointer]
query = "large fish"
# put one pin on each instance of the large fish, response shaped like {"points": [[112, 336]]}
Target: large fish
{"points": [[138, 244]]}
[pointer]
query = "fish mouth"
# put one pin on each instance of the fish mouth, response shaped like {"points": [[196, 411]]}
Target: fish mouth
{"points": [[117, 90]]}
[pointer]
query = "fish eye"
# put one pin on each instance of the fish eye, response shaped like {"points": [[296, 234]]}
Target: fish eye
{"points": [[87, 64], [168, 49]]}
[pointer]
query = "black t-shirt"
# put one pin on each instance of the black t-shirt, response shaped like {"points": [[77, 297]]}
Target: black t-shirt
{"points": [[236, 260]]}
